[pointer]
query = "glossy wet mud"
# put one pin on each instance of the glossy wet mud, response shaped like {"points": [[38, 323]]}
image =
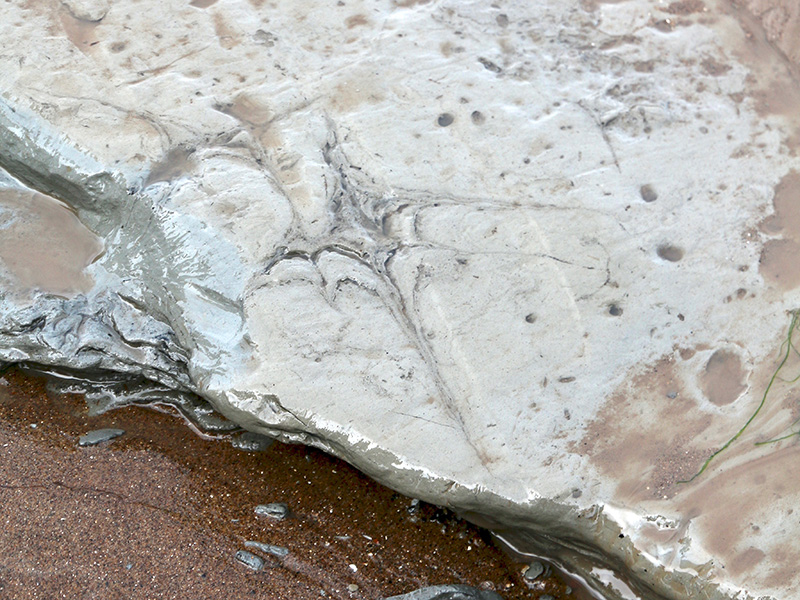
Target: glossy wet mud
{"points": [[159, 512]]}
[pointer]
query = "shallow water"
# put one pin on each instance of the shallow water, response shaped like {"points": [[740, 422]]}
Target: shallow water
{"points": [[43, 244]]}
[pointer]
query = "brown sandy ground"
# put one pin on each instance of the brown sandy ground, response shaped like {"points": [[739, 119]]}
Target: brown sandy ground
{"points": [[161, 513]]}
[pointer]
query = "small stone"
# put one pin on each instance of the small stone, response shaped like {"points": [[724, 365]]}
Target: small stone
{"points": [[352, 587], [449, 592], [250, 560], [265, 38], [546, 597], [413, 508], [277, 551], [489, 65], [648, 193], [274, 510], [252, 442], [99, 436], [534, 570]]}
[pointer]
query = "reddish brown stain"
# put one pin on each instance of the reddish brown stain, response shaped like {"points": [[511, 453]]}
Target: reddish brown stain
{"points": [[175, 163], [781, 22], [772, 84], [356, 21], [745, 561], [228, 36], [81, 33], [249, 110], [713, 67], [644, 435], [727, 533], [786, 204], [779, 263], [785, 569], [359, 90], [723, 379]]}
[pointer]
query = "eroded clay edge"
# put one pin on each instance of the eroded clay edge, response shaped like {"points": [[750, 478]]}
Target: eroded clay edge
{"points": [[136, 326]]}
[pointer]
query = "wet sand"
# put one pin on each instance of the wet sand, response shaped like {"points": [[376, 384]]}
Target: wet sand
{"points": [[161, 513]]}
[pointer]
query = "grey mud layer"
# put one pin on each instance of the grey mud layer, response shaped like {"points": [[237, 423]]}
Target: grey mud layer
{"points": [[533, 263]]}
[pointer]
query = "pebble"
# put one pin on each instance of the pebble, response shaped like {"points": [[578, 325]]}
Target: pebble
{"points": [[252, 442], [274, 510], [278, 551], [648, 193], [534, 570], [546, 597], [250, 560], [448, 592], [413, 510], [99, 436], [352, 587]]}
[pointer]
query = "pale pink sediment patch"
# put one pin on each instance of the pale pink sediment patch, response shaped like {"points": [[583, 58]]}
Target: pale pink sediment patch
{"points": [[43, 245]]}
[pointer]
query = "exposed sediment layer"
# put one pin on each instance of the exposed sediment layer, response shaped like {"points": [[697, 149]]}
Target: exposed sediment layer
{"points": [[532, 262]]}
